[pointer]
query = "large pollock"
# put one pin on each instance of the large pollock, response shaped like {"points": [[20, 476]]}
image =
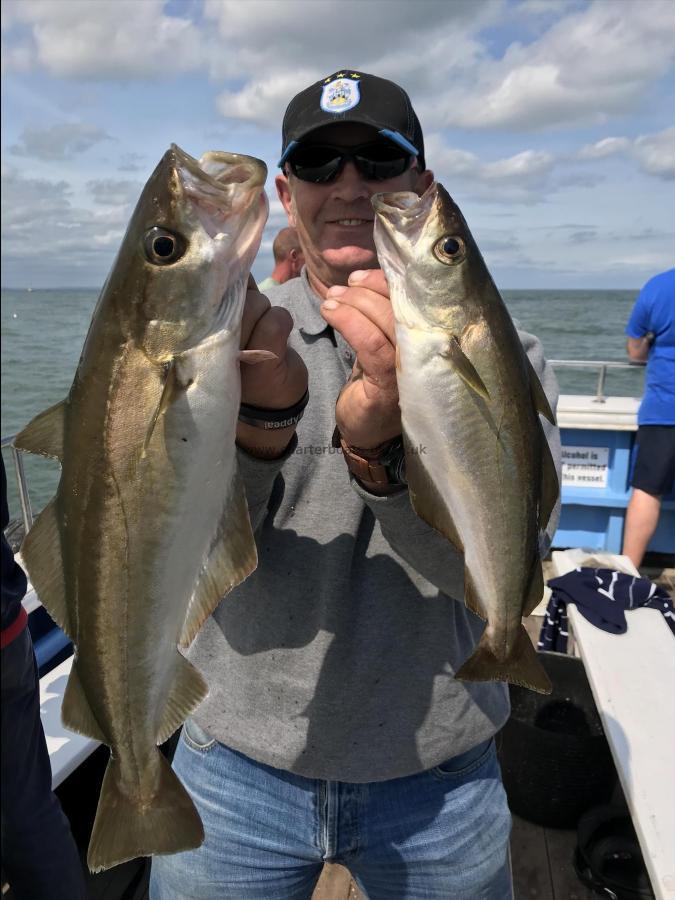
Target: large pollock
{"points": [[470, 397], [149, 527]]}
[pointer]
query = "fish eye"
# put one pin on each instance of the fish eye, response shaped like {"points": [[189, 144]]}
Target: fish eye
{"points": [[163, 247], [450, 249]]}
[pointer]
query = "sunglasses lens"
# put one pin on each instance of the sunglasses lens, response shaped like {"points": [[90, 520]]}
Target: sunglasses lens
{"points": [[315, 163], [377, 161], [381, 160]]}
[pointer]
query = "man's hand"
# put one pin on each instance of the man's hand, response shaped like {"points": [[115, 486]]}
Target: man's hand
{"points": [[367, 411], [273, 384]]}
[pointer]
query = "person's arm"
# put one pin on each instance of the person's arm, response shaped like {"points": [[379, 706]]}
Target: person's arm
{"points": [[639, 337], [638, 348], [367, 415]]}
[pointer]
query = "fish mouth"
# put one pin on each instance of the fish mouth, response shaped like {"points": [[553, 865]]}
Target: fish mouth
{"points": [[222, 187], [403, 210]]}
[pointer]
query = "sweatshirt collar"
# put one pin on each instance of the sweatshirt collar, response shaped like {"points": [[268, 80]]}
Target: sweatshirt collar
{"points": [[306, 310]]}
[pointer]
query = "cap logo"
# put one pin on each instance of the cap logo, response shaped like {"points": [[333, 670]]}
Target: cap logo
{"points": [[340, 95]]}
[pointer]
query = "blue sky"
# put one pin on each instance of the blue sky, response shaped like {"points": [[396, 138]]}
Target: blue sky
{"points": [[551, 122]]}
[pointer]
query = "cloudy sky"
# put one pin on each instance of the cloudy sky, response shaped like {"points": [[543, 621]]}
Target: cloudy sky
{"points": [[551, 122]]}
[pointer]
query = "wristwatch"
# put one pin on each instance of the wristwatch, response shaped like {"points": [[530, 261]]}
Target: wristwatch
{"points": [[376, 467]]}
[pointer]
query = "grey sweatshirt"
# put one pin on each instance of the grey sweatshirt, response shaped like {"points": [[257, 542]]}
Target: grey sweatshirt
{"points": [[335, 658]]}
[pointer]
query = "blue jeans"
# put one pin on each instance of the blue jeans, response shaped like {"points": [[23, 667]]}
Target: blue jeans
{"points": [[440, 834]]}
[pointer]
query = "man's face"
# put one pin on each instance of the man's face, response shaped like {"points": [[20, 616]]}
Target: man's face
{"points": [[335, 219]]}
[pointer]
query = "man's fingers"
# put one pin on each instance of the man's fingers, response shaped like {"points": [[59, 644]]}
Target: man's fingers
{"points": [[271, 331], [255, 306], [373, 279], [372, 303], [375, 351]]}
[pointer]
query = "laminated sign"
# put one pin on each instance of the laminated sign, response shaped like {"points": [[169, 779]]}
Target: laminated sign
{"points": [[585, 466]]}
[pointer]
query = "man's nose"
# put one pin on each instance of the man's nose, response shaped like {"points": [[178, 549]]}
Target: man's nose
{"points": [[350, 184]]}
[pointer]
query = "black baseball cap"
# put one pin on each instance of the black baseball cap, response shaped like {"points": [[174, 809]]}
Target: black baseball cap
{"points": [[350, 96]]}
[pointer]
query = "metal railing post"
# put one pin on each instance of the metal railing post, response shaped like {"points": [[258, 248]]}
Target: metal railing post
{"points": [[24, 498], [600, 390], [22, 484]]}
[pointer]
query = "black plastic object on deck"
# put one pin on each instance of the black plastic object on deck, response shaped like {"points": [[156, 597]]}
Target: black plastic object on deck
{"points": [[555, 759]]}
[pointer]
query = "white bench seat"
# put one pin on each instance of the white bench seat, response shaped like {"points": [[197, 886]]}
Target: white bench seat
{"points": [[632, 677], [66, 749]]}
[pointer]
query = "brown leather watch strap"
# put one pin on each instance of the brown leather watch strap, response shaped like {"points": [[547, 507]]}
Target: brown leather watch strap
{"points": [[365, 464]]}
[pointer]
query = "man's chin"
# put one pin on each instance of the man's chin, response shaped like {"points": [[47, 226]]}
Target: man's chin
{"points": [[348, 259]]}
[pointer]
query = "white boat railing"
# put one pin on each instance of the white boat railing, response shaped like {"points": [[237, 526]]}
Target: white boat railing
{"points": [[22, 484], [601, 365]]}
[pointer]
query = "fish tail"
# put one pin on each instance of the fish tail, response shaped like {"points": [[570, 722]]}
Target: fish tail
{"points": [[522, 666], [125, 829]]}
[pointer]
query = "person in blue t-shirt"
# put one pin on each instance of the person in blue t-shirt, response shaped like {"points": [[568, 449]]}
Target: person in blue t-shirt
{"points": [[651, 339]]}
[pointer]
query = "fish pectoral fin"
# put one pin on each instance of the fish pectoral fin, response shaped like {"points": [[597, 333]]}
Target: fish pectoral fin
{"points": [[539, 398], [76, 712], [535, 589], [231, 558], [550, 486], [521, 666], [426, 499], [464, 367], [171, 386], [41, 552], [44, 434], [256, 356], [127, 826], [187, 692]]}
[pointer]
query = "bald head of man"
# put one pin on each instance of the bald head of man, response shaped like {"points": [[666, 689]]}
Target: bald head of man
{"points": [[288, 257]]}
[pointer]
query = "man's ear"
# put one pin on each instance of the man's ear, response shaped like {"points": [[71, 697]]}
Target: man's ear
{"points": [[424, 181], [284, 194]]}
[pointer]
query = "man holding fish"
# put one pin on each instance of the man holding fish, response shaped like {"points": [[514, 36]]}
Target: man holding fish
{"points": [[335, 728]]}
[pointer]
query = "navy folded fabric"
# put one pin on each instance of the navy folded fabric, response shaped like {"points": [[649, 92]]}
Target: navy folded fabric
{"points": [[602, 596]]}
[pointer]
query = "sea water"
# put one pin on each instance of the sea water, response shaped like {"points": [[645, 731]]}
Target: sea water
{"points": [[43, 333]]}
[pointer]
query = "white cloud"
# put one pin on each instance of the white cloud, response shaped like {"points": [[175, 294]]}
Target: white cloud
{"points": [[265, 100], [606, 147], [82, 39], [654, 153], [39, 213], [58, 141], [525, 177], [108, 192], [588, 66]]}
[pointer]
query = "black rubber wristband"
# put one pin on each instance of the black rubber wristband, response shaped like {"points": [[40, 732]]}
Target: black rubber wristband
{"points": [[273, 419]]}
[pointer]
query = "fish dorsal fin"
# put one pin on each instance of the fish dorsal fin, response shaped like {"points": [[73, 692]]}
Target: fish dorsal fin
{"points": [[464, 367], [44, 434], [426, 500], [539, 398], [231, 558], [41, 551], [550, 486], [187, 692], [76, 712]]}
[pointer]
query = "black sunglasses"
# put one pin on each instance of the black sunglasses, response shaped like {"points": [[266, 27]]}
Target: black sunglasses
{"points": [[376, 161]]}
